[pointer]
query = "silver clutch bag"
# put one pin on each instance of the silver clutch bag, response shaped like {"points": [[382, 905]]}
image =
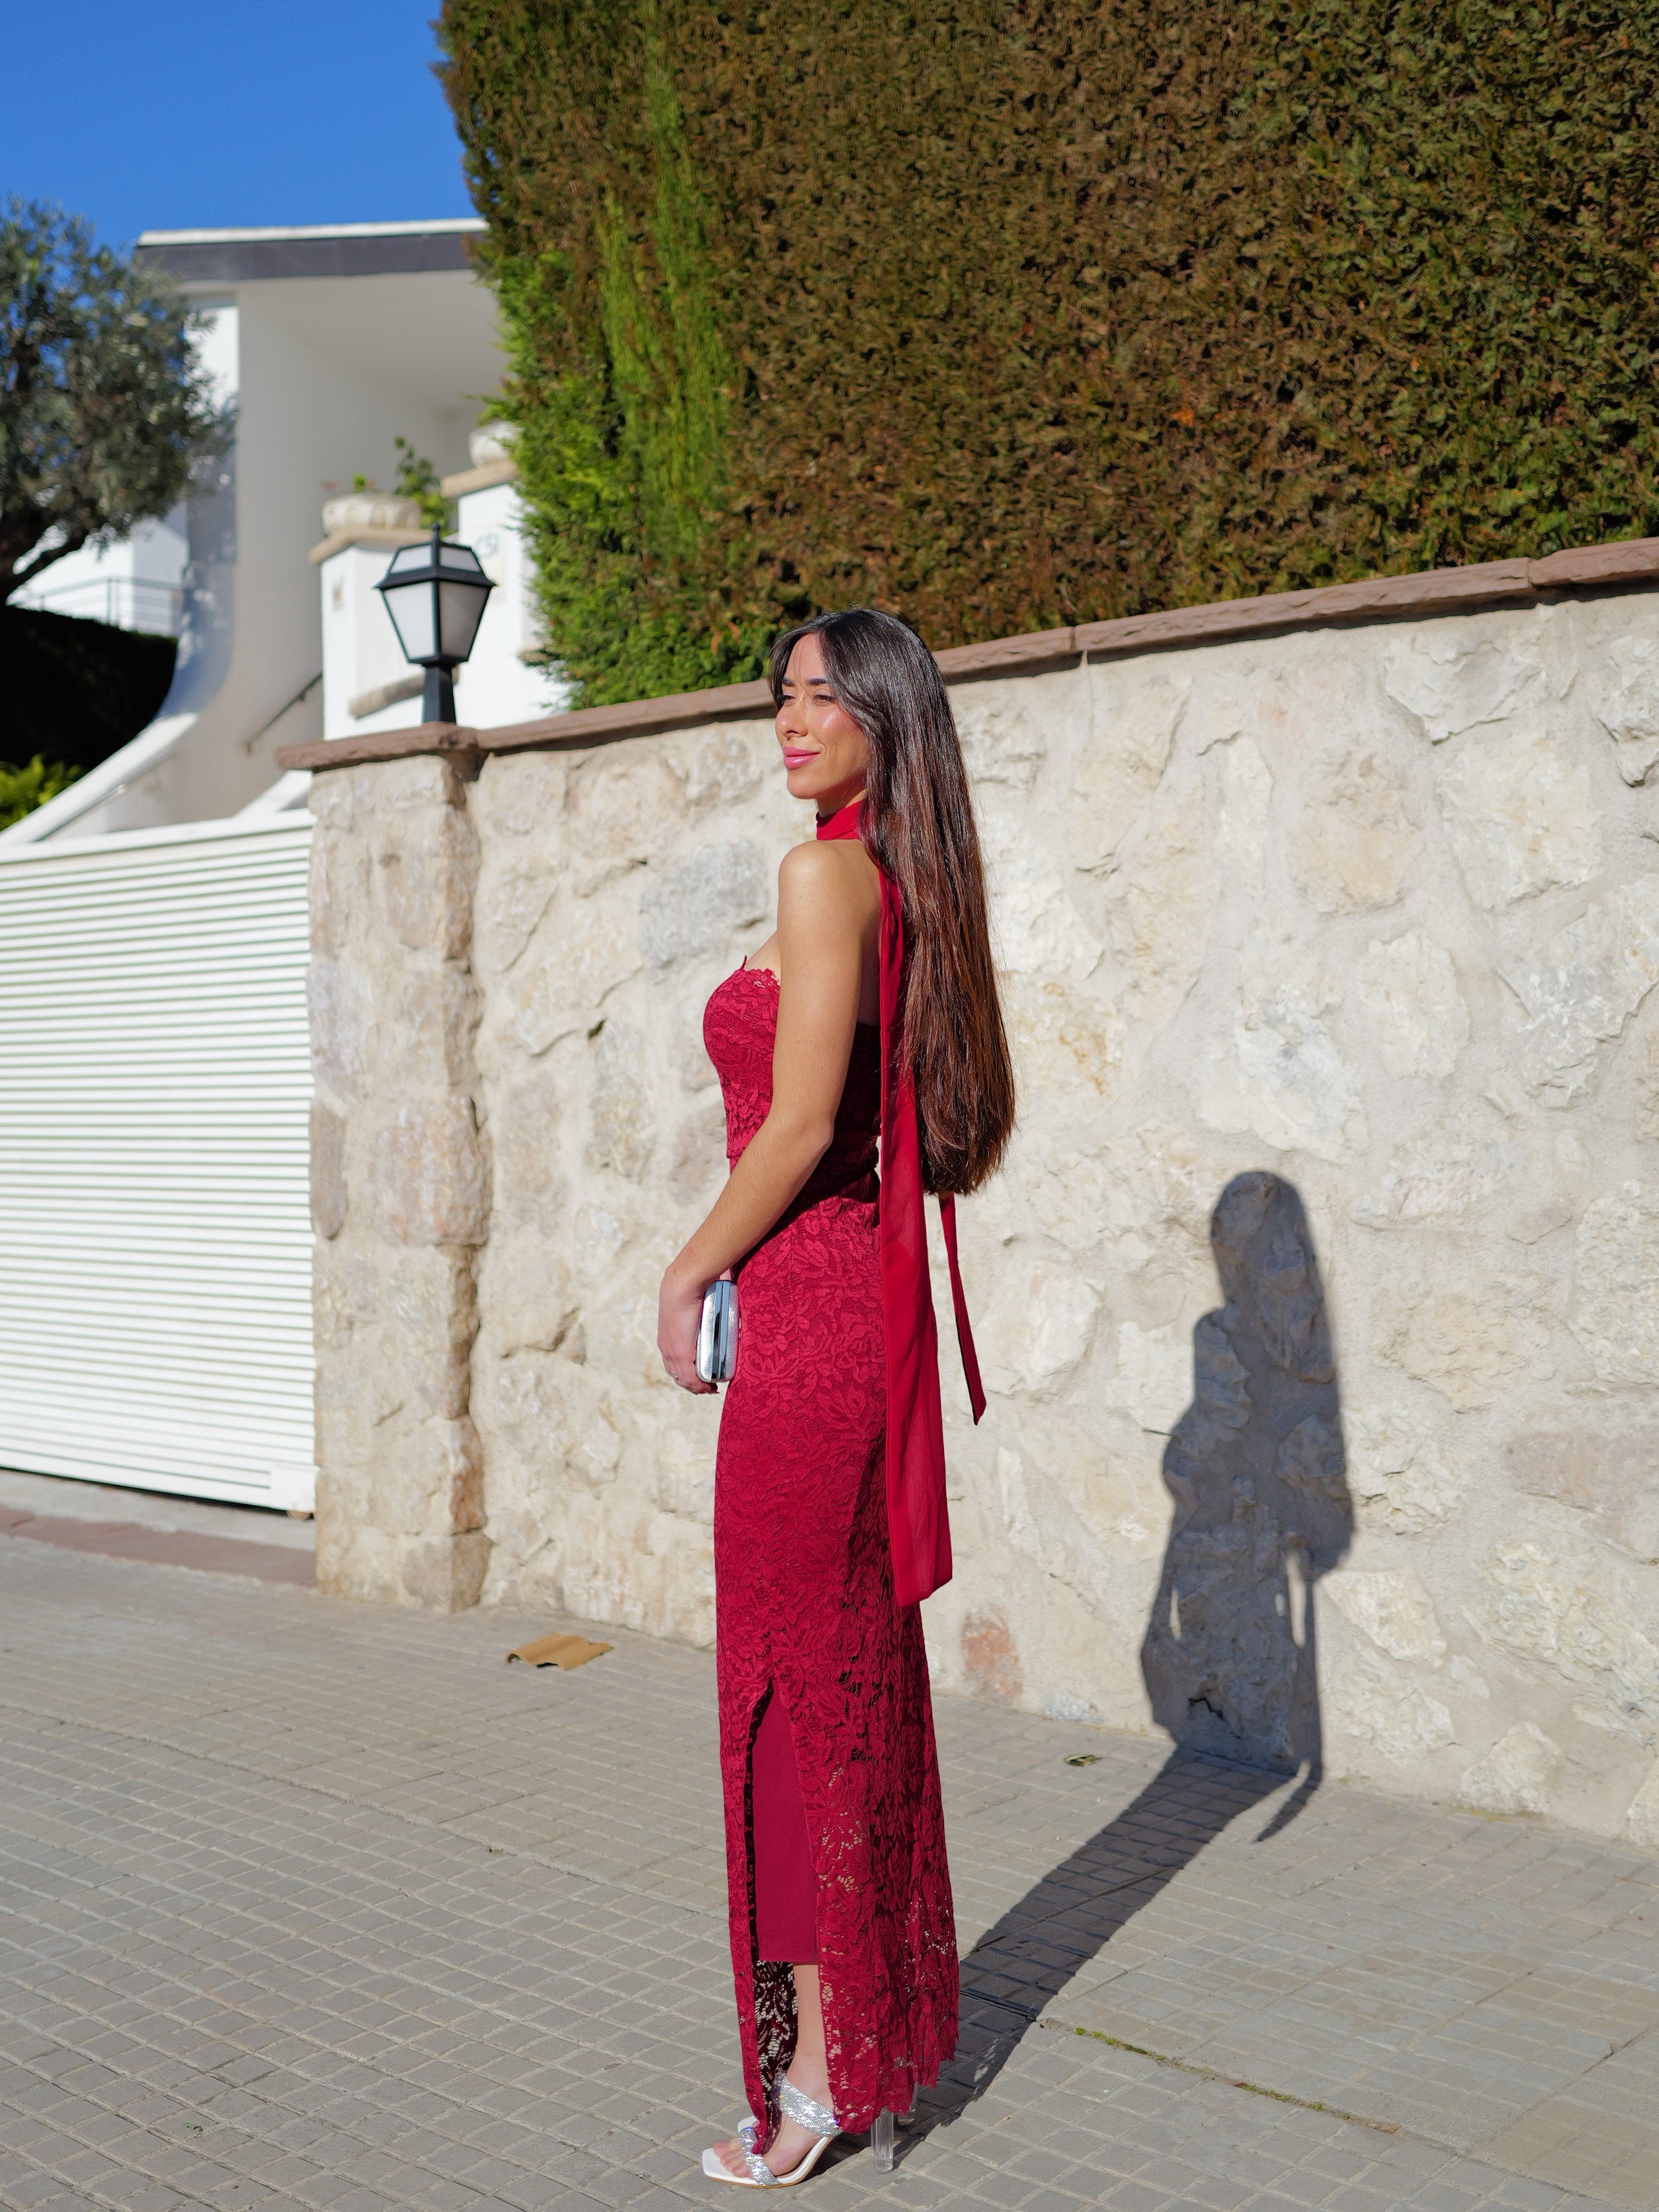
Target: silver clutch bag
{"points": [[717, 1335]]}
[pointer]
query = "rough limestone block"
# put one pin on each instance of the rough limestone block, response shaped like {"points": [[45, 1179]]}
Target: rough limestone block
{"points": [[1408, 989], [1008, 729], [1247, 791], [529, 1185], [1162, 894], [557, 1413], [1521, 817], [1038, 1329], [1392, 1609], [621, 808], [332, 800], [721, 766], [1463, 673], [328, 1181], [697, 1164], [346, 1294], [533, 1295], [1624, 700], [684, 1483], [1355, 840], [514, 892], [1468, 1341], [1440, 1173], [1285, 1079], [1611, 1475], [433, 1486], [1037, 928], [1558, 1612], [427, 1178], [586, 949], [1154, 1381], [1378, 1702], [1616, 1307], [1517, 1775], [339, 888], [1399, 1478], [1043, 1523], [621, 1119], [341, 1010], [1135, 720], [518, 795], [1062, 1039], [425, 859], [434, 1014], [1580, 991], [694, 905], [430, 1298], [446, 1574], [345, 1434]]}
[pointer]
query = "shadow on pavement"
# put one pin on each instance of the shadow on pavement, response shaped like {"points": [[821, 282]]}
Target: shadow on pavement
{"points": [[1256, 1469], [1057, 1928]]}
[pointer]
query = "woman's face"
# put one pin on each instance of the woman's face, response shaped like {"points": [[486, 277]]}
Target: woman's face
{"points": [[826, 756]]}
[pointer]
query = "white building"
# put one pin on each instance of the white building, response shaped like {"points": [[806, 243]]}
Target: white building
{"points": [[330, 343], [154, 1090], [366, 683]]}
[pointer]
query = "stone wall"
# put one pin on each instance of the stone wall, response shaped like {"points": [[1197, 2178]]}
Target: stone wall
{"points": [[1318, 1302]]}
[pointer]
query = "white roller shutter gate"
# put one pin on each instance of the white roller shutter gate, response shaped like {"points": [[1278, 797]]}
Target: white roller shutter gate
{"points": [[155, 1234]]}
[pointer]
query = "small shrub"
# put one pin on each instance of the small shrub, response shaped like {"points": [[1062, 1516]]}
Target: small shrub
{"points": [[23, 789]]}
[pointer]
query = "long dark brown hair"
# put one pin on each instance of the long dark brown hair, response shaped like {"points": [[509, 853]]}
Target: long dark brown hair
{"points": [[919, 831]]}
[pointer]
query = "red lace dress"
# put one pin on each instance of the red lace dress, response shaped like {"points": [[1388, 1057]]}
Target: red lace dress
{"points": [[805, 1611]]}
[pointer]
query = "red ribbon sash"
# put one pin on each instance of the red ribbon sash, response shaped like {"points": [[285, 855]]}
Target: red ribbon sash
{"points": [[917, 1520]]}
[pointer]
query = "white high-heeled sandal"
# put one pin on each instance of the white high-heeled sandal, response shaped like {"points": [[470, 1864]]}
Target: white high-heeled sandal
{"points": [[806, 2112]]}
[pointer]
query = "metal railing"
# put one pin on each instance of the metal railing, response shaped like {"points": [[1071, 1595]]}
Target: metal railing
{"points": [[126, 602]]}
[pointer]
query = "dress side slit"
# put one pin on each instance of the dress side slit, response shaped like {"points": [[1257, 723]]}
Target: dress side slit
{"points": [[785, 1887]]}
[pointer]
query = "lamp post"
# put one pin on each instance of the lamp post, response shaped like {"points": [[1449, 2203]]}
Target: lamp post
{"points": [[435, 595]]}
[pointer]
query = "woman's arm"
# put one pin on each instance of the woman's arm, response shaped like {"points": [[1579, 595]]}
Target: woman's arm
{"points": [[829, 911]]}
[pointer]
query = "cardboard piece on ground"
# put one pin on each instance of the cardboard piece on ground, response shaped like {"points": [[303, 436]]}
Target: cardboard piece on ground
{"points": [[558, 1651]]}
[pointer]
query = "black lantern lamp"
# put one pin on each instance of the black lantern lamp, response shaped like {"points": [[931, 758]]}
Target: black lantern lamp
{"points": [[435, 595]]}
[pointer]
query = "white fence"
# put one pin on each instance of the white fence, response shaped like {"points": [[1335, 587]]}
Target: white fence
{"points": [[155, 1238]]}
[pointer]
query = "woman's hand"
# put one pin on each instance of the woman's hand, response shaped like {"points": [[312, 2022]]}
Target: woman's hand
{"points": [[679, 1317]]}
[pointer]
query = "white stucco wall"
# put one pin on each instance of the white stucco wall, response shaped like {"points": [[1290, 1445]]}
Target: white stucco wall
{"points": [[1369, 917], [325, 371], [499, 684]]}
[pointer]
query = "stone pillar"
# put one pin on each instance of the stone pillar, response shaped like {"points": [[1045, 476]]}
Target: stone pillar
{"points": [[399, 1184]]}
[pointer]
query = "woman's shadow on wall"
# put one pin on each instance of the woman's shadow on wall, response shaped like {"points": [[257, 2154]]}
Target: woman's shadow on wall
{"points": [[1257, 1474]]}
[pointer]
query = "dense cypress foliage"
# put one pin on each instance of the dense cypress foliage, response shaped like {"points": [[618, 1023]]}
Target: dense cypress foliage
{"points": [[1007, 314]]}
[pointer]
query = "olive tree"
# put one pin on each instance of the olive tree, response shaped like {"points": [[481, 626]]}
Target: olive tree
{"points": [[104, 407]]}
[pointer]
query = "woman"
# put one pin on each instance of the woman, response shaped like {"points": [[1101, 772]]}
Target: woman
{"points": [[871, 1013]]}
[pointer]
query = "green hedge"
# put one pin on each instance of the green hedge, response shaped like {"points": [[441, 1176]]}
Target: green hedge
{"points": [[1010, 315], [75, 690]]}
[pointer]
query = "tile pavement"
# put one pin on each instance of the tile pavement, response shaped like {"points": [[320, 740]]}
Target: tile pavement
{"points": [[314, 1904]]}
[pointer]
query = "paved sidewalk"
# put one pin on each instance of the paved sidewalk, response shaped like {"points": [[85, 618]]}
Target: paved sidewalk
{"points": [[314, 1904], [141, 1524]]}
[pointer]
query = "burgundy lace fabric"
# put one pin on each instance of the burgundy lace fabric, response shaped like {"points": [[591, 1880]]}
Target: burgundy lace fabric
{"points": [[804, 1605]]}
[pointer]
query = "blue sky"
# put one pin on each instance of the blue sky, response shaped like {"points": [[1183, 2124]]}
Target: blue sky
{"points": [[176, 114]]}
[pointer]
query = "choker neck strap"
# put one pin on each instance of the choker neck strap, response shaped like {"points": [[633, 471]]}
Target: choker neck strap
{"points": [[846, 824]]}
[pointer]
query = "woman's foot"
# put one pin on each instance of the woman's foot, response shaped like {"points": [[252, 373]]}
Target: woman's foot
{"points": [[792, 2142]]}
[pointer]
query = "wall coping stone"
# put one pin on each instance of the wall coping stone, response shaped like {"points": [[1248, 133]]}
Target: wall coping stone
{"points": [[1430, 592], [505, 471]]}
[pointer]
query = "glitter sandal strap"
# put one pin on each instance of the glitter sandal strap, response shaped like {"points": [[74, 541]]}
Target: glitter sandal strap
{"points": [[806, 2112]]}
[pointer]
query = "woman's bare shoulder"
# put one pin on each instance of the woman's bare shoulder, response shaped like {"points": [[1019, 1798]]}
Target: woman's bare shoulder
{"points": [[835, 870]]}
